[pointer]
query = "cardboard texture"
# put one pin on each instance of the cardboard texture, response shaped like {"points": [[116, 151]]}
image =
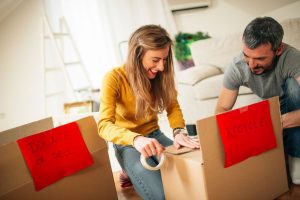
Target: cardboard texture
{"points": [[182, 176], [172, 150], [201, 174], [94, 182], [14, 134]]}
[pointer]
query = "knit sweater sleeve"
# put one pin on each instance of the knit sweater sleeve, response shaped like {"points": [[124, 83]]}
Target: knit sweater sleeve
{"points": [[175, 116], [107, 128]]}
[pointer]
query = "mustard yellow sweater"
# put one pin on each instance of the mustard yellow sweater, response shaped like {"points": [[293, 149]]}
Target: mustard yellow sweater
{"points": [[117, 111]]}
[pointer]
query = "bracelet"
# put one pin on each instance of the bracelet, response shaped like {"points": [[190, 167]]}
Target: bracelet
{"points": [[177, 131]]}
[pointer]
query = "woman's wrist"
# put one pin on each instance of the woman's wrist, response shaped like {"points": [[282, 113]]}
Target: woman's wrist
{"points": [[179, 130], [134, 140]]}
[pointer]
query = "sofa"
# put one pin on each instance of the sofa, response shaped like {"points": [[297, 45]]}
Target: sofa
{"points": [[199, 86]]}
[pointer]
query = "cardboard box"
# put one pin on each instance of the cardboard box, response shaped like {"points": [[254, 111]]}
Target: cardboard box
{"points": [[14, 134], [201, 174], [94, 182]]}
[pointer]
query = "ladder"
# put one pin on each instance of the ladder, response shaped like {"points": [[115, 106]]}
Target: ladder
{"points": [[66, 78]]}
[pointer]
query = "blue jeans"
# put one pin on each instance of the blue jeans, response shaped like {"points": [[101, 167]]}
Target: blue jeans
{"points": [[290, 101], [147, 184]]}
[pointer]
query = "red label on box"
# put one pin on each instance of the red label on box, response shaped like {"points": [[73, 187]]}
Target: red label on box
{"points": [[54, 154], [246, 132]]}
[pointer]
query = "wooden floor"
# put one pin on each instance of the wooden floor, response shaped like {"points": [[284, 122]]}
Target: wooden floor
{"points": [[130, 194], [292, 194], [125, 194]]}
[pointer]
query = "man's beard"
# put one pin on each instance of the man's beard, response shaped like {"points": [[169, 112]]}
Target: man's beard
{"points": [[266, 69]]}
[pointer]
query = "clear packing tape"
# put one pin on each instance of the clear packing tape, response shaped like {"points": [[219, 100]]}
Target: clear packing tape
{"points": [[169, 150], [147, 166]]}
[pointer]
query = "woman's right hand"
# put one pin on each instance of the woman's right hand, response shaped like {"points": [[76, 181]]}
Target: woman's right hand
{"points": [[148, 146], [182, 140]]}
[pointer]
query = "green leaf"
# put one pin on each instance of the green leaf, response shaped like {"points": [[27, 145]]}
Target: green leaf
{"points": [[183, 42]]}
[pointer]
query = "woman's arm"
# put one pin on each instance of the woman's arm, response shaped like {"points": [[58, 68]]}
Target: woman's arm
{"points": [[176, 120], [107, 129]]}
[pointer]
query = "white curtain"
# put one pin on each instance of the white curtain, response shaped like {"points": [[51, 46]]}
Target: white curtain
{"points": [[100, 26]]}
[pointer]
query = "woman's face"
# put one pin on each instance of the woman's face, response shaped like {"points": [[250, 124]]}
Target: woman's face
{"points": [[154, 61]]}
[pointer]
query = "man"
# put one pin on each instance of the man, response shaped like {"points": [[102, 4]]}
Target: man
{"points": [[269, 68]]}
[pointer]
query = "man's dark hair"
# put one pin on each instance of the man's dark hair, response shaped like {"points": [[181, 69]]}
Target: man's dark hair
{"points": [[263, 30]]}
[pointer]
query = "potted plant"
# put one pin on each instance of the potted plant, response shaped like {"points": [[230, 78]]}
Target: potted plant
{"points": [[182, 47]]}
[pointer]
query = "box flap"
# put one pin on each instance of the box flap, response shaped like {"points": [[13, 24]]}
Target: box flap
{"points": [[13, 170], [259, 177], [172, 150], [14, 134], [88, 128]]}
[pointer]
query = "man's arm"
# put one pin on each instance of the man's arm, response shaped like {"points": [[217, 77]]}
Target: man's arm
{"points": [[226, 100]]}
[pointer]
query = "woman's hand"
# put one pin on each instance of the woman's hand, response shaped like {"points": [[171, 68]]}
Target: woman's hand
{"points": [[148, 146], [182, 139]]}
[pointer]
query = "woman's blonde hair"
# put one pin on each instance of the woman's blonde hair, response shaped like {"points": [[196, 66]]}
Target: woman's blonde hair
{"points": [[150, 94]]}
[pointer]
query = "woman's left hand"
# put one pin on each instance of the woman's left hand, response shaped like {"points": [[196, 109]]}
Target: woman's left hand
{"points": [[182, 139]]}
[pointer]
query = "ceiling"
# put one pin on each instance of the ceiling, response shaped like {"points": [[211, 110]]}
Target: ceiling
{"points": [[254, 7], [7, 6]]}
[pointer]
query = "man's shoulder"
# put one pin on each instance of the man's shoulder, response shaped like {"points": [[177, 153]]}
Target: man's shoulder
{"points": [[239, 59], [288, 49], [290, 57]]}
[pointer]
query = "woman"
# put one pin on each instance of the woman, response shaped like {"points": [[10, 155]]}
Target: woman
{"points": [[131, 97]]}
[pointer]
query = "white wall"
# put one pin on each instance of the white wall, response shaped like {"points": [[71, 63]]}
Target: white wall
{"points": [[21, 62], [21, 46], [230, 16]]}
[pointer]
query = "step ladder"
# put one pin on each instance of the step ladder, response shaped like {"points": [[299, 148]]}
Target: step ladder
{"points": [[66, 78]]}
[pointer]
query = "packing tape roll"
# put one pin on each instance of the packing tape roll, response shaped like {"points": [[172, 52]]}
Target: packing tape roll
{"points": [[147, 166]]}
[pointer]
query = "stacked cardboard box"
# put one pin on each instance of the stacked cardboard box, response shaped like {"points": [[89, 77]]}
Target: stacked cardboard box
{"points": [[94, 182]]}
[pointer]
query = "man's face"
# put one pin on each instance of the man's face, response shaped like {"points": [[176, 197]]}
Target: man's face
{"points": [[260, 59]]}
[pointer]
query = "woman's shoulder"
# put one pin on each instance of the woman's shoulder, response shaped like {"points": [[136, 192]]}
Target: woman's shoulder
{"points": [[115, 72]]}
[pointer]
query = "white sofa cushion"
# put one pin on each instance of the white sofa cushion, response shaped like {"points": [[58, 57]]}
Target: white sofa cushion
{"points": [[217, 51], [211, 87], [193, 75]]}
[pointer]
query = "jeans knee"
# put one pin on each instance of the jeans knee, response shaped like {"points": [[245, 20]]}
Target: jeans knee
{"points": [[147, 184], [159, 194], [291, 98]]}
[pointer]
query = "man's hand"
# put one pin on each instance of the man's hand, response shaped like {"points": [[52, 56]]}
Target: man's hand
{"points": [[182, 139], [291, 119], [148, 146]]}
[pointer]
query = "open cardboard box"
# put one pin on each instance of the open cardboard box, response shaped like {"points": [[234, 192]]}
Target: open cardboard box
{"points": [[201, 174], [94, 182]]}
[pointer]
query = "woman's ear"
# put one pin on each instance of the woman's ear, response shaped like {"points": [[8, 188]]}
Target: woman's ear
{"points": [[280, 49]]}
